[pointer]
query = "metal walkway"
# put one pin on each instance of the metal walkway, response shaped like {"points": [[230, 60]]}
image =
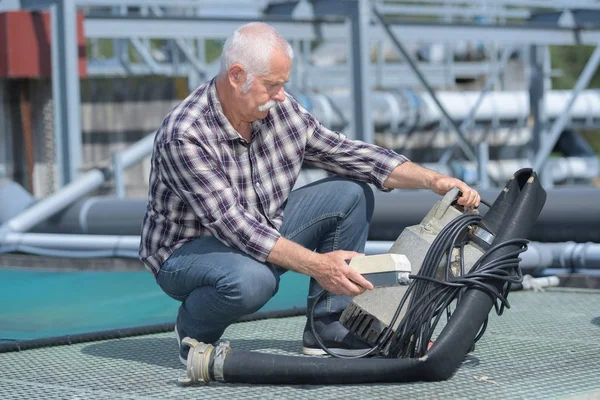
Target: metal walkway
{"points": [[546, 346]]}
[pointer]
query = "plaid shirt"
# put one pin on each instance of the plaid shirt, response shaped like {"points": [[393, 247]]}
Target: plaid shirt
{"points": [[207, 180]]}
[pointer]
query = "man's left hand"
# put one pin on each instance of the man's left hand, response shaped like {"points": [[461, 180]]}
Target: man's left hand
{"points": [[441, 184]]}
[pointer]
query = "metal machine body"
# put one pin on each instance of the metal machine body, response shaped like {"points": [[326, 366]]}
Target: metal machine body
{"points": [[369, 315]]}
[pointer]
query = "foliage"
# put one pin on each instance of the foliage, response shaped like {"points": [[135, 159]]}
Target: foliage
{"points": [[570, 61]]}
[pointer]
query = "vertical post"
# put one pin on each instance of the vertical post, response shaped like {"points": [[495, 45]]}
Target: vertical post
{"points": [[65, 90], [118, 175], [305, 50], [380, 65], [359, 14], [194, 76], [536, 96], [297, 66], [484, 157]]}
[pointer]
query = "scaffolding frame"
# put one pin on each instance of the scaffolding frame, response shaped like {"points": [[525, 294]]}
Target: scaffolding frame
{"points": [[327, 19]]}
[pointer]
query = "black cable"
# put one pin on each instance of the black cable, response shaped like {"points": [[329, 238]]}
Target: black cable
{"points": [[431, 297], [415, 330], [482, 201], [311, 317]]}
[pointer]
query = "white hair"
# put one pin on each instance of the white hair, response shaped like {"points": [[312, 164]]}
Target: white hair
{"points": [[252, 46]]}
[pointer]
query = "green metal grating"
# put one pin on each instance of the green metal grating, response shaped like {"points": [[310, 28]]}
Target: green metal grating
{"points": [[546, 346]]}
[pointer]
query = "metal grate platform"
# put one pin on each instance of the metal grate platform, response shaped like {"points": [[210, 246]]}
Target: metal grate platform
{"points": [[546, 346]]}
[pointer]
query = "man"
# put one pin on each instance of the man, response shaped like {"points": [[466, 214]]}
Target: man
{"points": [[222, 222]]}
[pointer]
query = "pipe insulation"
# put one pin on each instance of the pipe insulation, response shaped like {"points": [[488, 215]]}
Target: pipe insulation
{"points": [[100, 215], [568, 255], [557, 169], [570, 214], [408, 110], [74, 246]]}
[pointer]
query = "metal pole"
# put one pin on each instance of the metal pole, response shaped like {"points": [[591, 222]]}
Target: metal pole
{"points": [[484, 156], [118, 178], [359, 15], [305, 64], [65, 90], [137, 151], [536, 97], [380, 65], [558, 126], [462, 141], [144, 52]]}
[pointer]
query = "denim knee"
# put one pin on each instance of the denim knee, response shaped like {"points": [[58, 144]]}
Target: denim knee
{"points": [[366, 194], [359, 193], [248, 292]]}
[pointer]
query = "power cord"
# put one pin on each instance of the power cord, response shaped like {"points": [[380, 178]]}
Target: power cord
{"points": [[430, 298]]}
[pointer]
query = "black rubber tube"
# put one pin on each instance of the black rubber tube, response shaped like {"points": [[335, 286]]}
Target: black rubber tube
{"points": [[449, 349], [261, 368]]}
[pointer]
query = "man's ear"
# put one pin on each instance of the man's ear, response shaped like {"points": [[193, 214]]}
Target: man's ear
{"points": [[236, 75]]}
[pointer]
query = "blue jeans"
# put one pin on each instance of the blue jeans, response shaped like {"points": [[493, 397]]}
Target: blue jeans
{"points": [[218, 284]]}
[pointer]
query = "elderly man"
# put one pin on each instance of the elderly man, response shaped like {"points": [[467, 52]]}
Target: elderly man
{"points": [[222, 222]]}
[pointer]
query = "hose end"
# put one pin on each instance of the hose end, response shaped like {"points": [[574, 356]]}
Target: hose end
{"points": [[198, 362]]}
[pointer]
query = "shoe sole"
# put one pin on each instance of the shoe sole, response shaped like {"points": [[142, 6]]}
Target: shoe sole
{"points": [[342, 352], [181, 359]]}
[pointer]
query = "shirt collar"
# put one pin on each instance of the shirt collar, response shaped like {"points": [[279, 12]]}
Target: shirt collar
{"points": [[227, 132]]}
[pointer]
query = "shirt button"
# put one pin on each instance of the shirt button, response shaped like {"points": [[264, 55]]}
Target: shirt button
{"points": [[257, 183]]}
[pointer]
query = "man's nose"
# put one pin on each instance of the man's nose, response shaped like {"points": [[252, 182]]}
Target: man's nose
{"points": [[280, 96]]}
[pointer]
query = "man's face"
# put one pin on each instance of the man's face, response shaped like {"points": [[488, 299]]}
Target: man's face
{"points": [[268, 90]]}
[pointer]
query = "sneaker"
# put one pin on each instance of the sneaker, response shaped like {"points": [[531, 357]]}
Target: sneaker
{"points": [[183, 351], [334, 336]]}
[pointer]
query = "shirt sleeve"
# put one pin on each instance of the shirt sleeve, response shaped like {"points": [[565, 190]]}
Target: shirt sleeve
{"points": [[354, 159], [196, 178]]}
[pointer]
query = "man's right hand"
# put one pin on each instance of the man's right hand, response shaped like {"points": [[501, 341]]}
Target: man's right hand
{"points": [[329, 269], [335, 275]]}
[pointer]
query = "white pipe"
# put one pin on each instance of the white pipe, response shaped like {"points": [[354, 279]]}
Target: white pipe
{"points": [[137, 151], [56, 202], [559, 169], [503, 106], [538, 255], [70, 242]]}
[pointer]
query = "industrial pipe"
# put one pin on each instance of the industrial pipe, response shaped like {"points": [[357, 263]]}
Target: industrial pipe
{"points": [[410, 110], [65, 245], [570, 214], [56, 202], [538, 256], [70, 193], [558, 169]]}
